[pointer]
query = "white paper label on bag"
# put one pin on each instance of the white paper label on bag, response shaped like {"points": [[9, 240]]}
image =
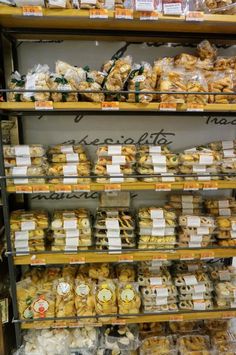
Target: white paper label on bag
{"points": [[21, 244], [233, 304], [195, 238], [91, 2], [67, 149], [144, 5], [74, 242], [194, 245], [70, 248], [72, 157], [69, 170], [113, 169], [22, 150], [158, 232], [223, 204], [224, 212], [156, 213], [170, 230], [193, 221], [118, 159], [199, 306], [227, 144], [161, 301], [69, 181], [159, 223], [190, 280], [114, 242], [28, 226], [203, 230], [187, 199], [158, 159], [155, 149], [113, 233], [112, 223], [233, 234], [206, 159], [59, 3], [173, 9], [233, 225], [19, 171], [118, 179], [155, 281], [23, 161], [114, 150], [22, 235], [70, 224], [199, 288], [30, 85], [158, 169], [162, 292], [199, 168], [224, 275], [229, 153], [187, 205], [157, 263], [70, 233], [139, 78], [192, 267], [169, 178], [198, 296]]}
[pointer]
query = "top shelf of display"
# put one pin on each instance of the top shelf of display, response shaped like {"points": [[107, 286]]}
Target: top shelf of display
{"points": [[109, 21]]}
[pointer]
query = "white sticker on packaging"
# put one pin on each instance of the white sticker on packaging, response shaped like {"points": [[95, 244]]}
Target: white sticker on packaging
{"points": [[233, 304], [70, 248], [114, 242], [195, 238], [157, 264], [203, 230], [118, 159], [23, 161], [30, 85], [70, 233], [118, 179], [173, 9], [161, 301], [144, 5], [74, 242], [205, 159], [159, 223], [158, 159], [22, 150], [69, 170], [229, 153], [224, 212], [158, 169], [156, 281], [224, 275], [22, 251], [19, 171], [199, 306], [22, 235], [139, 78], [67, 149], [156, 213], [223, 204], [21, 244], [187, 205], [113, 233], [192, 267], [28, 225], [92, 2], [187, 199], [59, 3], [198, 296], [72, 157], [112, 223], [169, 178], [190, 280], [69, 181], [155, 149], [193, 221], [113, 169], [227, 144], [114, 150], [233, 225], [158, 232], [199, 168], [70, 224], [201, 288], [233, 234], [162, 292], [194, 245]]}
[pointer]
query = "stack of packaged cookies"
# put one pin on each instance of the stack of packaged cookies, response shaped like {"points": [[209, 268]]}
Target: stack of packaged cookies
{"points": [[69, 164], [226, 230], [71, 230], [114, 229], [115, 163], [228, 151], [157, 228], [22, 161], [157, 160], [185, 204], [158, 345], [28, 230]]}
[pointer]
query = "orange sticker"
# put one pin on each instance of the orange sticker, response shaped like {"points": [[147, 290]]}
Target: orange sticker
{"points": [[148, 15], [176, 318], [62, 188], [85, 188], [189, 256], [24, 189], [126, 258], [125, 14], [191, 185], [168, 106], [207, 255], [195, 108], [110, 106], [98, 13], [112, 187], [161, 257], [229, 314], [37, 262], [163, 187], [43, 105], [119, 322], [210, 185], [32, 11], [41, 188], [194, 16], [77, 260]]}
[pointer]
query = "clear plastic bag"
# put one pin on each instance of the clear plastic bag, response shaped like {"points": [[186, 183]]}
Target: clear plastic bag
{"points": [[59, 82], [223, 83], [106, 299], [37, 79], [21, 220], [128, 298], [16, 81], [140, 79], [33, 151]]}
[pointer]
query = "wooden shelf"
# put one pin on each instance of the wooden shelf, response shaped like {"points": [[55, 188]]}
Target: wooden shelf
{"points": [[11, 17], [128, 186], [180, 316], [123, 106], [129, 256]]}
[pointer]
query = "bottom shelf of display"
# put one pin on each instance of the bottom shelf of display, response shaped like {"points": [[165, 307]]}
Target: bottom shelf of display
{"points": [[141, 318]]}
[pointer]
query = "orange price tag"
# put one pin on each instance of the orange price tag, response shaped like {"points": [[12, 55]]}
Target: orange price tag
{"points": [[148, 15], [191, 185], [112, 187], [37, 262], [32, 11], [41, 188], [85, 188], [119, 322], [43, 105], [126, 14], [168, 106], [210, 185], [161, 257], [126, 258], [195, 108], [189, 256], [207, 255], [62, 188], [163, 187], [229, 314], [98, 13], [77, 260], [194, 16], [176, 318], [24, 189], [110, 106]]}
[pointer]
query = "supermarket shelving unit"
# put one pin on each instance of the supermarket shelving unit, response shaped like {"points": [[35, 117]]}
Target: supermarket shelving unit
{"points": [[76, 24]]}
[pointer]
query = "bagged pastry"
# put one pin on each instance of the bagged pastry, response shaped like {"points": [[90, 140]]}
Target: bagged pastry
{"points": [[128, 297], [186, 61], [91, 86], [72, 74], [120, 338], [140, 79], [206, 50], [26, 292], [59, 82], [64, 291], [105, 299], [37, 79], [16, 81], [219, 6], [85, 4], [43, 306], [59, 4], [223, 83], [196, 82], [125, 272], [84, 298], [70, 172], [174, 80]]}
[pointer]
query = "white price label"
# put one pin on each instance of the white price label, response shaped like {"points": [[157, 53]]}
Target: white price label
{"points": [[159, 169], [228, 144], [156, 213], [205, 159], [113, 169], [113, 233], [158, 232], [223, 204], [159, 223], [70, 233], [21, 244], [70, 224], [158, 159], [72, 157], [173, 9], [155, 149], [190, 280], [155, 281], [203, 230], [28, 226], [193, 221], [22, 150], [69, 170], [118, 159], [224, 212], [112, 223], [162, 292], [23, 161], [161, 301], [198, 296], [67, 149], [144, 5], [72, 242], [195, 238], [114, 150], [22, 235], [229, 153], [201, 288]]}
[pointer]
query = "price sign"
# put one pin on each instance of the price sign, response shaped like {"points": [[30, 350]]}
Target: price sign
{"points": [[207, 255], [195, 108], [32, 11], [168, 106], [189, 256], [176, 318], [197, 16], [77, 260], [210, 185], [24, 189], [161, 257], [85, 188], [41, 188], [191, 185], [126, 258], [228, 315], [98, 13], [163, 187], [112, 187], [43, 105], [124, 14], [37, 262], [148, 15], [62, 188], [110, 106], [119, 322]]}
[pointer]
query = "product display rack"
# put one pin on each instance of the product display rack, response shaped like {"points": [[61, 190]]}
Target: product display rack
{"points": [[70, 23]]}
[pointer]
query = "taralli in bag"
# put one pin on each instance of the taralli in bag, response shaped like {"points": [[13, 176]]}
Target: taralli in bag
{"points": [[222, 83], [16, 81], [37, 79], [84, 297], [105, 299], [140, 79], [129, 300], [72, 74], [91, 86], [64, 290], [196, 83], [59, 82], [186, 61], [173, 79]]}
